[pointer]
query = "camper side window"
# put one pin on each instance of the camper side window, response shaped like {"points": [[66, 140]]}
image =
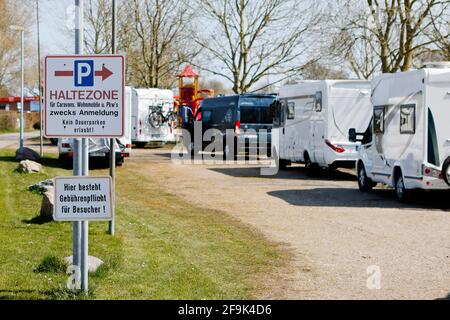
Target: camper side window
{"points": [[408, 119], [378, 119], [291, 110], [318, 101]]}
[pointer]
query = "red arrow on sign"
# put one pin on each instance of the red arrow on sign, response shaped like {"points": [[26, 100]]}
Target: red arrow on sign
{"points": [[105, 73]]}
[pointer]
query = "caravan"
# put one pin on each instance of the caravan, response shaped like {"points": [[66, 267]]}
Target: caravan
{"points": [[407, 145], [312, 120], [152, 117]]}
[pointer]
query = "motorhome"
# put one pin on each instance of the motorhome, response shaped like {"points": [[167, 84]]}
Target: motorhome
{"points": [[407, 145], [312, 120], [148, 102]]}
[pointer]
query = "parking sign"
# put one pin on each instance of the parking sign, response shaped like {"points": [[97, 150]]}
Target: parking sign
{"points": [[84, 96]]}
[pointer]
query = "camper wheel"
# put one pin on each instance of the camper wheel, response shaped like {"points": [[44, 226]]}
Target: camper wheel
{"points": [[284, 164], [400, 190], [365, 184], [310, 167], [140, 144]]}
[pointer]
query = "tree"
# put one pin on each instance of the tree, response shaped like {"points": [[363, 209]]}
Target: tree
{"points": [[440, 33], [151, 33], [317, 71], [13, 13], [395, 30], [254, 39], [98, 19], [161, 27]]}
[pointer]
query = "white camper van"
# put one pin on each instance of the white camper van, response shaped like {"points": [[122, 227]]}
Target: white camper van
{"points": [[408, 145], [146, 102], [312, 120]]}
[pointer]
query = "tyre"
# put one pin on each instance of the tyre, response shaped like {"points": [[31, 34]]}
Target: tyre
{"points": [[284, 164], [155, 119], [401, 192], [140, 144], [311, 168], [365, 184]]}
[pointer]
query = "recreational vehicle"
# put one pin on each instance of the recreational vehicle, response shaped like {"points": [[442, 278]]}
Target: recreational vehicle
{"points": [[407, 145], [312, 120], [152, 116]]}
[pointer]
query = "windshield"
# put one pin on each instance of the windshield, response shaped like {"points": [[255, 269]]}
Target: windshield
{"points": [[256, 110], [218, 111]]}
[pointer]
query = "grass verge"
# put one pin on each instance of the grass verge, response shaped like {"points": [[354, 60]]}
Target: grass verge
{"points": [[164, 248]]}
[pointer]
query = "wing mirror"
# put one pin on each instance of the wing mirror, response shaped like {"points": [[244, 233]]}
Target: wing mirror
{"points": [[352, 136]]}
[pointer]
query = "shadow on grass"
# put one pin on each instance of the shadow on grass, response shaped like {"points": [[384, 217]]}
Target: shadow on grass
{"points": [[45, 162], [38, 220], [53, 294]]}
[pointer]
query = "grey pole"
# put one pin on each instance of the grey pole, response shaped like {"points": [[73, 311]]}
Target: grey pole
{"points": [[83, 154], [85, 224], [77, 151], [112, 142], [41, 145], [21, 85]]}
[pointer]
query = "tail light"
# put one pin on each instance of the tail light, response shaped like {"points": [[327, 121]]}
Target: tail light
{"points": [[338, 149], [66, 145], [237, 128], [429, 171], [128, 146]]}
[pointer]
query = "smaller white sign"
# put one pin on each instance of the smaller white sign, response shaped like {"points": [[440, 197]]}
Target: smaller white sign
{"points": [[82, 199]]}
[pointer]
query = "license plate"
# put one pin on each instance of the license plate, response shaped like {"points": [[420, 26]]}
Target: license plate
{"points": [[98, 154]]}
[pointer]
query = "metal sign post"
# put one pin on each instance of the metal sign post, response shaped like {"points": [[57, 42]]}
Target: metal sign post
{"points": [[77, 154], [112, 143], [84, 98]]}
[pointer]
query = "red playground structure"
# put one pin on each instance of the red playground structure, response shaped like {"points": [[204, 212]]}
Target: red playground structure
{"points": [[190, 95]]}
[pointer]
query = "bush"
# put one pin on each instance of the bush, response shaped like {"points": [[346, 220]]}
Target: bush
{"points": [[8, 121]]}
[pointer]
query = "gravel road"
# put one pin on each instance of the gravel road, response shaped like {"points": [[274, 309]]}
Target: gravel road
{"points": [[345, 245]]}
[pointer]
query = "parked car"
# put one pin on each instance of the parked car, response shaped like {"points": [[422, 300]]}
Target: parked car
{"points": [[409, 142], [242, 122], [99, 150], [312, 120]]}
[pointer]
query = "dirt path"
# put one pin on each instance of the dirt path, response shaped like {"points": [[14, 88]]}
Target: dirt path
{"points": [[9, 139], [334, 232]]}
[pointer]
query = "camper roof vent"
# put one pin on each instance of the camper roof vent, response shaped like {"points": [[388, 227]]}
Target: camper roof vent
{"points": [[437, 65]]}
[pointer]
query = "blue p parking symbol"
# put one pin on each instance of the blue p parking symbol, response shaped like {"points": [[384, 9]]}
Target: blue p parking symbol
{"points": [[84, 73]]}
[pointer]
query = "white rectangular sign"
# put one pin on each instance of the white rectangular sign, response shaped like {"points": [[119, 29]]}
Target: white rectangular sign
{"points": [[84, 96], [82, 198]]}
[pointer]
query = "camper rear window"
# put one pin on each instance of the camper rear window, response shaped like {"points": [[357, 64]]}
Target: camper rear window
{"points": [[255, 110], [408, 119], [291, 110], [220, 115], [378, 119]]}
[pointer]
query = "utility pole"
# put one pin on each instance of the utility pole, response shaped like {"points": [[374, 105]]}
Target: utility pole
{"points": [[22, 62], [112, 142], [41, 145]]}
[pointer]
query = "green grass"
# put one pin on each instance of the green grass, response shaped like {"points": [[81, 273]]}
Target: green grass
{"points": [[164, 248]]}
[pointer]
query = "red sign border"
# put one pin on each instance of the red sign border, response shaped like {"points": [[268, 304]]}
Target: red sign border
{"points": [[82, 57]]}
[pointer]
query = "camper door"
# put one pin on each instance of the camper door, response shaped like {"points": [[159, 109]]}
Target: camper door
{"points": [[318, 129]]}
